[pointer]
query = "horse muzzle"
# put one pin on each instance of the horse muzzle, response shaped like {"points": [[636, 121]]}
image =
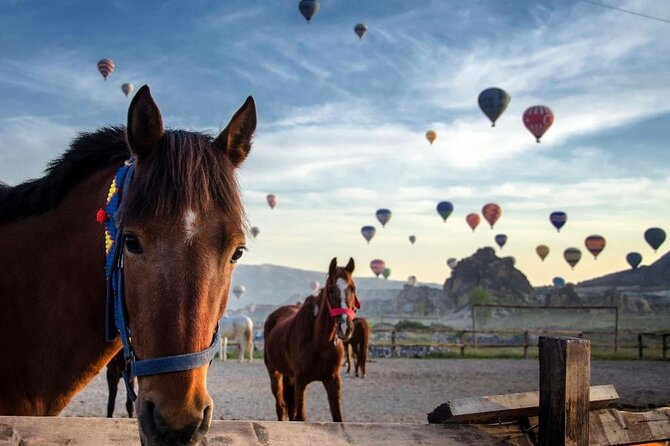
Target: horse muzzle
{"points": [[344, 328], [157, 430]]}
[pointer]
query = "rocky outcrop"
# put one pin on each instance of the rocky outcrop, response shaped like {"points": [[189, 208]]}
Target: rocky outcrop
{"points": [[496, 275], [417, 301], [562, 296]]}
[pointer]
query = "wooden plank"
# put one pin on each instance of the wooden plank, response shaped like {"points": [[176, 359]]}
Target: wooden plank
{"points": [[565, 375], [512, 406], [123, 431], [615, 427]]}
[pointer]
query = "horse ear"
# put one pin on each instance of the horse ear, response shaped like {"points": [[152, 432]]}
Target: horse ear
{"points": [[350, 266], [145, 124], [235, 139], [333, 266]]}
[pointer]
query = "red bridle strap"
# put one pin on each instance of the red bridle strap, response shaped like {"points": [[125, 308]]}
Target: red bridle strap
{"points": [[334, 312]]}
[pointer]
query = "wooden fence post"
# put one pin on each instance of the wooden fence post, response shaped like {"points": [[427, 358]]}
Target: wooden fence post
{"points": [[393, 344], [474, 326], [640, 346], [616, 330], [525, 344], [665, 346], [565, 375]]}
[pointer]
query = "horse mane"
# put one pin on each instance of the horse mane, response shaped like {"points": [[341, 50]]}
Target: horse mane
{"points": [[186, 173]]}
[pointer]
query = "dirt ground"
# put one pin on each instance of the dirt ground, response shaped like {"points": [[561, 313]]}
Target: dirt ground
{"points": [[395, 390]]}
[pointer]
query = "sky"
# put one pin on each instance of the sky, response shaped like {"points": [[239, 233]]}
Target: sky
{"points": [[342, 120]]}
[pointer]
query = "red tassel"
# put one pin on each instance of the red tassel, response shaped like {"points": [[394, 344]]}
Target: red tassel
{"points": [[101, 216]]}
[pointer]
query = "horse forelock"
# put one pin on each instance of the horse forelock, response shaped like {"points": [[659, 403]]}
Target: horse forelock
{"points": [[184, 175]]}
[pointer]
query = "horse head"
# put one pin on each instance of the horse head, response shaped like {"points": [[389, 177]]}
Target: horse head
{"points": [[340, 296], [182, 235]]}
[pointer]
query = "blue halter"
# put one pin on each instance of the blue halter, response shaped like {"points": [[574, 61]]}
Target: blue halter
{"points": [[116, 318]]}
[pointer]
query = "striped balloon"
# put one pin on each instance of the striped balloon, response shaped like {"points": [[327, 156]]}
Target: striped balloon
{"points": [[572, 256], [491, 213], [537, 120], [595, 244], [105, 66], [558, 219]]}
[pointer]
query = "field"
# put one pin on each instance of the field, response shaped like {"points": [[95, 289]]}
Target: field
{"points": [[396, 390]]}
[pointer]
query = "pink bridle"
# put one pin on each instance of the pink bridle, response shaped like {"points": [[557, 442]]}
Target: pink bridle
{"points": [[334, 312]]}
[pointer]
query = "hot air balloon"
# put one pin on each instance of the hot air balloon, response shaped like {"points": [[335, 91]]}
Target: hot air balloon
{"points": [[558, 219], [558, 281], [105, 66], [239, 290], [361, 29], [411, 281], [308, 8], [493, 102], [255, 231], [368, 232], [127, 89], [386, 273], [655, 237], [383, 215], [542, 251], [491, 213], [377, 266], [431, 136], [412, 239], [537, 120], [452, 262], [445, 208], [272, 200], [501, 239], [472, 220], [595, 244], [572, 256], [314, 285], [634, 259]]}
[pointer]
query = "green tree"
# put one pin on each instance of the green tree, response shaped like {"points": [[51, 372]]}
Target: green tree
{"points": [[480, 296]]}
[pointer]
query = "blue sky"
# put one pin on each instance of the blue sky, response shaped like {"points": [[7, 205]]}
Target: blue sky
{"points": [[342, 121]]}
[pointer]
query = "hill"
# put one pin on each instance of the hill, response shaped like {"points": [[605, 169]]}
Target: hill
{"points": [[654, 276]]}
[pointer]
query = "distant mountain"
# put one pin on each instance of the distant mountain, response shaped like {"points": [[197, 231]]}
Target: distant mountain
{"points": [[277, 285], [656, 275]]}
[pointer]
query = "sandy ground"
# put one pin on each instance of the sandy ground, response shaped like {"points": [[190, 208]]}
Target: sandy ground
{"points": [[395, 390]]}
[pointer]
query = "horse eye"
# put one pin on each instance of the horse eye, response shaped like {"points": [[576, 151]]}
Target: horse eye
{"points": [[132, 244], [238, 253]]}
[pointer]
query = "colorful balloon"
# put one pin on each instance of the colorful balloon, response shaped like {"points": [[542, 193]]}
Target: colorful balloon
{"points": [[634, 259], [558, 281], [386, 273], [106, 67], [361, 29], [255, 231], [431, 136], [272, 200], [314, 285], [368, 232], [558, 219], [542, 251], [308, 8], [445, 208], [377, 266], [537, 120], [239, 290], [411, 281], [655, 237], [493, 102], [412, 239], [595, 244], [491, 213], [127, 89], [572, 256], [452, 262], [383, 215], [501, 239], [472, 220]]}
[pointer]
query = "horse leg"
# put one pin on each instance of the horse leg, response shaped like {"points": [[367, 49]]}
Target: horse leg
{"points": [[333, 389], [241, 343], [299, 391], [250, 345], [129, 402], [276, 382], [289, 397], [357, 360], [112, 383], [362, 359], [346, 356], [225, 348]]}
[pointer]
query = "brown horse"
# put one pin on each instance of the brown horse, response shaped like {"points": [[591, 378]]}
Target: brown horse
{"points": [[181, 232], [358, 344], [302, 344], [115, 370]]}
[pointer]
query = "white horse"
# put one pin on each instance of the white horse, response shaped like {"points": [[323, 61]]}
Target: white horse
{"points": [[241, 329]]}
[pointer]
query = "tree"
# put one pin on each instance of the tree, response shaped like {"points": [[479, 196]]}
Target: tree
{"points": [[480, 296]]}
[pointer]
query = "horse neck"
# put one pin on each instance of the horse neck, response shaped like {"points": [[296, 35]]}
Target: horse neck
{"points": [[324, 326], [52, 293]]}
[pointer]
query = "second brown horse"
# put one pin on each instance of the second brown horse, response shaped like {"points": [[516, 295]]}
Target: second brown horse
{"points": [[303, 344]]}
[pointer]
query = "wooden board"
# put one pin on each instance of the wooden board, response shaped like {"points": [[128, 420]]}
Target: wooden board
{"points": [[513, 406], [30, 431], [617, 427]]}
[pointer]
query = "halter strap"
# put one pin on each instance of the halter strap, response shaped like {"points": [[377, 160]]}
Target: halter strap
{"points": [[334, 312], [116, 318]]}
